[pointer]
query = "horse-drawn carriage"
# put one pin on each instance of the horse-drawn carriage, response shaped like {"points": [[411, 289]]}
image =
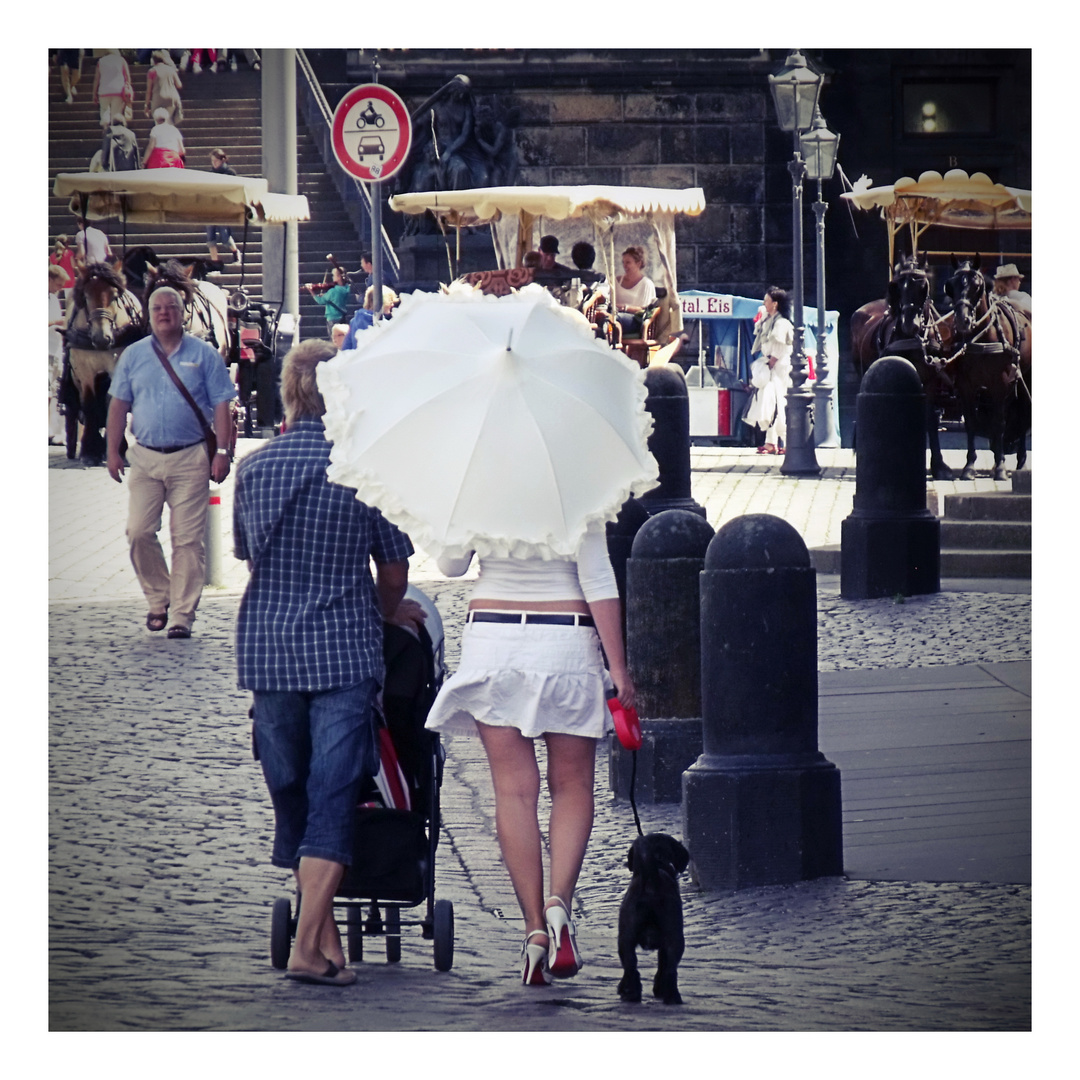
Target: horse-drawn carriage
{"points": [[518, 215], [108, 304], [975, 358]]}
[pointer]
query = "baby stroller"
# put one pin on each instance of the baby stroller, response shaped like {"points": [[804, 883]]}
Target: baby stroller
{"points": [[397, 818]]}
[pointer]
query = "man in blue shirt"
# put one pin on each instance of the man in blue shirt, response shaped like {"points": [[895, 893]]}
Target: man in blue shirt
{"points": [[309, 644], [168, 460]]}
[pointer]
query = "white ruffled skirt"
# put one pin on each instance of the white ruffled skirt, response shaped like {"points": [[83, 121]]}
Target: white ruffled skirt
{"points": [[536, 678]]}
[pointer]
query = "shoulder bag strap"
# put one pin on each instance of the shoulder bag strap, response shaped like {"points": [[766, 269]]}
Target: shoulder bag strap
{"points": [[208, 431]]}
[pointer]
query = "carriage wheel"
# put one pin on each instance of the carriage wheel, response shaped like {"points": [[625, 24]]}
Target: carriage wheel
{"points": [[280, 933], [393, 934], [354, 933], [444, 935]]}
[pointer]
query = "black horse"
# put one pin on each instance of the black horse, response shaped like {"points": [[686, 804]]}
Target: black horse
{"points": [[990, 365], [906, 325]]}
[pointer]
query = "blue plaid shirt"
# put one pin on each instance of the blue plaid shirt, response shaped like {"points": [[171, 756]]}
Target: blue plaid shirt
{"points": [[310, 616]]}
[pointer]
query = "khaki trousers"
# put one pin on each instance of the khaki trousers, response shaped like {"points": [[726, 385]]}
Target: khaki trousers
{"points": [[182, 481]]}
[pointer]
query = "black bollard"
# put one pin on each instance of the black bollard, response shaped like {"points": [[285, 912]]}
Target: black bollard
{"points": [[669, 403], [890, 543], [761, 805], [663, 652]]}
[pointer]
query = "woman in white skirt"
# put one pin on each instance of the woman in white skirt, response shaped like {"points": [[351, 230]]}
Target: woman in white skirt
{"points": [[770, 373], [531, 667]]}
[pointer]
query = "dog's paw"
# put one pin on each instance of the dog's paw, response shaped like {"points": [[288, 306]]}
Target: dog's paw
{"points": [[674, 998], [630, 987], [667, 990]]}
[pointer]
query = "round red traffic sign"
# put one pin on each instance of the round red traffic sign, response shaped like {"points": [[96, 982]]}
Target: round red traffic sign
{"points": [[371, 132]]}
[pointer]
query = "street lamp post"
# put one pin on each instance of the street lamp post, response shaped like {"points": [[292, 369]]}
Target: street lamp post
{"points": [[795, 92], [819, 148]]}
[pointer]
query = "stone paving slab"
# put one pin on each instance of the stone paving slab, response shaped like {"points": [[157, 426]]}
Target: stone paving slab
{"points": [[87, 510]]}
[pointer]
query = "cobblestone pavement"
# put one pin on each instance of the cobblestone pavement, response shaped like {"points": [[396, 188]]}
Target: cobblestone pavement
{"points": [[159, 830]]}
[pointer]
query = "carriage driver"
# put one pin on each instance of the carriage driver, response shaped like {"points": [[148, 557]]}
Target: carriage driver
{"points": [[169, 462]]}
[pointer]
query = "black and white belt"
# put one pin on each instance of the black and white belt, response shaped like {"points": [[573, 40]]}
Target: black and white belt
{"points": [[543, 618]]}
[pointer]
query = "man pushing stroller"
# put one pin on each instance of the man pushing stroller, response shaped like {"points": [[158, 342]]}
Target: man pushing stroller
{"points": [[309, 645]]}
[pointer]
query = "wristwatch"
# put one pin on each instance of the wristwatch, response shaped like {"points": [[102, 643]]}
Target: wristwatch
{"points": [[225, 452]]}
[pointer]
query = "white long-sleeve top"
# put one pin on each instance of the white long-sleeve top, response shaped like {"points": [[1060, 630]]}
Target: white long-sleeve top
{"points": [[589, 577]]}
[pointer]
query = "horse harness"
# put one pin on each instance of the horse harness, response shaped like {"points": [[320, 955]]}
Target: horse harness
{"points": [[200, 305], [996, 310], [79, 337]]}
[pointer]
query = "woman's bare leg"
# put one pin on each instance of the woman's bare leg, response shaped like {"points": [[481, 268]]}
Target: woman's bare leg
{"points": [[571, 764], [516, 779]]}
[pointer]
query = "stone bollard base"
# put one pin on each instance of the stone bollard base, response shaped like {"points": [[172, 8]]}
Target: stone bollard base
{"points": [[668, 748], [762, 820], [887, 556]]}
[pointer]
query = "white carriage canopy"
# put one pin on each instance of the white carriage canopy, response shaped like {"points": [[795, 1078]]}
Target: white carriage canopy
{"points": [[178, 197], [513, 212], [955, 200]]}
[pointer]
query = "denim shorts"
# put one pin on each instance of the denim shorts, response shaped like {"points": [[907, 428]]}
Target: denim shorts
{"points": [[219, 234], [315, 748]]}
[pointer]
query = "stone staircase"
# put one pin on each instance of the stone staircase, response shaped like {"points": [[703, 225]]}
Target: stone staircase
{"points": [[983, 535], [988, 535], [222, 109]]}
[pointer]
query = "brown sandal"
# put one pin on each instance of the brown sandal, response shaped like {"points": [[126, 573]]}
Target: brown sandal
{"points": [[156, 622]]}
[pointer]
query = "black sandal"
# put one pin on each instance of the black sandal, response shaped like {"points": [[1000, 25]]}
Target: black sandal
{"points": [[156, 622]]}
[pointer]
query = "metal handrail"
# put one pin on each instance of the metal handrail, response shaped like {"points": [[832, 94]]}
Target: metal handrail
{"points": [[327, 113]]}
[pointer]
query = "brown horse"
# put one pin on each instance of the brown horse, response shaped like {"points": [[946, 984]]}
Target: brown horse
{"points": [[905, 324], [990, 365], [103, 320]]}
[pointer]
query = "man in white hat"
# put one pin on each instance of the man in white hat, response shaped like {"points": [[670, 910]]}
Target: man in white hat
{"points": [[1007, 284]]}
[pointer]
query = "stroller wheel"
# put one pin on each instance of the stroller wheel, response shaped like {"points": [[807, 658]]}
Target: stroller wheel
{"points": [[354, 933], [281, 933], [444, 935], [393, 934]]}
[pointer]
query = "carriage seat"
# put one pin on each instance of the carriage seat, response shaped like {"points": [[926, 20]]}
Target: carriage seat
{"points": [[639, 348], [248, 334]]}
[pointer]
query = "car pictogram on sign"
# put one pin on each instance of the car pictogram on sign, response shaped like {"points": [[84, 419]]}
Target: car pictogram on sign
{"points": [[370, 144]]}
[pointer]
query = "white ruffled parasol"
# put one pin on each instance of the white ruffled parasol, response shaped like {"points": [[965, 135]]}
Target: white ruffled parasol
{"points": [[491, 424]]}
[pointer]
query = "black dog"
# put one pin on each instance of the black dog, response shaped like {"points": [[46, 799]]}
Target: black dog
{"points": [[651, 915]]}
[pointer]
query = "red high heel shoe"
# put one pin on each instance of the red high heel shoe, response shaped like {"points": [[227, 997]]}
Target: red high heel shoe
{"points": [[564, 960], [534, 971]]}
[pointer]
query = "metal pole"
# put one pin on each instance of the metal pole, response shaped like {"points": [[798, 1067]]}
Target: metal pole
{"points": [[799, 456], [825, 432], [376, 227], [212, 539]]}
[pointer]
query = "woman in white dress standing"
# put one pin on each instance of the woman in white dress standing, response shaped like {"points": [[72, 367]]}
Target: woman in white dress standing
{"points": [[531, 668], [770, 373]]}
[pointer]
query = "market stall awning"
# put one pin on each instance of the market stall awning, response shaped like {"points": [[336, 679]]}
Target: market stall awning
{"points": [[178, 197], [597, 202]]}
